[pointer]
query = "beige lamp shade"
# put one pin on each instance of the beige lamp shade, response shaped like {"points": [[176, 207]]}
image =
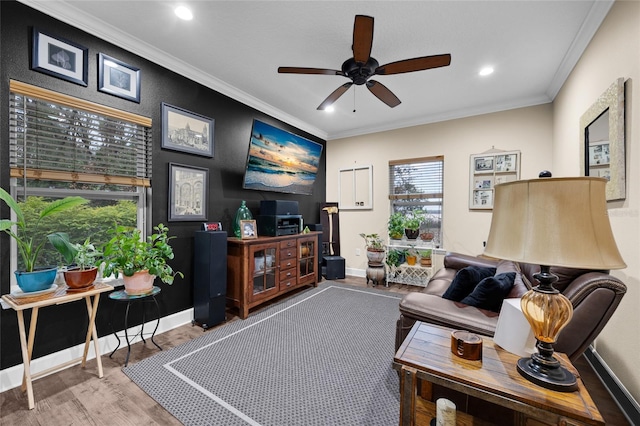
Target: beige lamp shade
{"points": [[554, 222]]}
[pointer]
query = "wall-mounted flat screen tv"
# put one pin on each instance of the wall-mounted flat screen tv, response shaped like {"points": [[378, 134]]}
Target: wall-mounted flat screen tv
{"points": [[281, 161]]}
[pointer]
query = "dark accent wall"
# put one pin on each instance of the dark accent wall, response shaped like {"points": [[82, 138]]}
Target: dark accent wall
{"points": [[60, 327]]}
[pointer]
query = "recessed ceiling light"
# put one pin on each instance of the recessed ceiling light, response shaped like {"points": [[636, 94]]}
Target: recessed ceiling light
{"points": [[330, 108], [486, 71], [184, 12]]}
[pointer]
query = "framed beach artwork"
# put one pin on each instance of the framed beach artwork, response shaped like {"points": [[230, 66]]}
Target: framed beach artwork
{"points": [[186, 131], [281, 161], [59, 58], [188, 189]]}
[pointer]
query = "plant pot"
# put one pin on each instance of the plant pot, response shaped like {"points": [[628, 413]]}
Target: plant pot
{"points": [[426, 236], [139, 283], [38, 280], [411, 260], [80, 278], [375, 255], [396, 235], [412, 234], [425, 262]]}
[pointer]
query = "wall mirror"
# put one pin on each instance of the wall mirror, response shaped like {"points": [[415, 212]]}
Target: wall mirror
{"points": [[602, 151]]}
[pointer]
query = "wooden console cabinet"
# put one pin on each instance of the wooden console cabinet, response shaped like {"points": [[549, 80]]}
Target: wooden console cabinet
{"points": [[266, 267]]}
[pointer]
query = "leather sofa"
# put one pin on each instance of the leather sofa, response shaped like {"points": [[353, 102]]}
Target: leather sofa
{"points": [[595, 295]]}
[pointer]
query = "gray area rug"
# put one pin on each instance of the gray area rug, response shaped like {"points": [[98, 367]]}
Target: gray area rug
{"points": [[322, 357]]}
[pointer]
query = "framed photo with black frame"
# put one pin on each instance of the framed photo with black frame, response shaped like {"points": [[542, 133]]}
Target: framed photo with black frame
{"points": [[59, 58], [186, 131], [118, 79], [188, 189]]}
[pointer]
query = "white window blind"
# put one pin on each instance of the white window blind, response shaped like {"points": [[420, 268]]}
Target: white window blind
{"points": [[416, 184], [55, 137]]}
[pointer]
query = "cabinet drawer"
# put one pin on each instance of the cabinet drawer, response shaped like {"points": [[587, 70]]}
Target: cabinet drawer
{"points": [[288, 275], [290, 283], [288, 253], [292, 243], [288, 263]]}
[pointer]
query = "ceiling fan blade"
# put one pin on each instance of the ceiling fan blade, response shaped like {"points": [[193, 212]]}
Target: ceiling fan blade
{"points": [[382, 93], [415, 64], [299, 70], [362, 38], [334, 96]]}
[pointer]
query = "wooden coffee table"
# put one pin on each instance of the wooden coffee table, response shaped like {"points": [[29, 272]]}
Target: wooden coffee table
{"points": [[425, 356]]}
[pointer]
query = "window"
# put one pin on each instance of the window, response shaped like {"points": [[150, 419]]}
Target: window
{"points": [[61, 146], [416, 184]]}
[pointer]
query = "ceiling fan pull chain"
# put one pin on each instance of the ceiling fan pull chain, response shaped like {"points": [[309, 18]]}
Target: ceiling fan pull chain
{"points": [[354, 99]]}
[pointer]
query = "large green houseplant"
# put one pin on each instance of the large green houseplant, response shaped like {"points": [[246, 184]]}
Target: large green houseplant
{"points": [[128, 253], [396, 226], [30, 242]]}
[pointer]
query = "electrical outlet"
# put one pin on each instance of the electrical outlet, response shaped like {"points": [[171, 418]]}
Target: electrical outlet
{"points": [[358, 252]]}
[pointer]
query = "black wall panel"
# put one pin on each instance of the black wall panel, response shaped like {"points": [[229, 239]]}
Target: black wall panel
{"points": [[233, 120]]}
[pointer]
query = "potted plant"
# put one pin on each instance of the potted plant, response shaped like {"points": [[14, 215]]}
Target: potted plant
{"points": [[395, 257], [412, 255], [30, 243], [81, 260], [396, 226], [425, 257], [430, 223], [139, 261], [375, 248], [412, 224]]}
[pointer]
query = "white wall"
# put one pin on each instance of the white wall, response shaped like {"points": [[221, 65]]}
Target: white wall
{"points": [[527, 129], [614, 52]]}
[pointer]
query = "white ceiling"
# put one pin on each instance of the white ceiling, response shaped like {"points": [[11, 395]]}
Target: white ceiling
{"points": [[235, 47]]}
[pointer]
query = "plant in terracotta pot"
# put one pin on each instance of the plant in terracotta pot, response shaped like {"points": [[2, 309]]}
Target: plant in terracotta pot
{"points": [[375, 248], [396, 226], [412, 224], [425, 257], [139, 261], [81, 259], [30, 242]]}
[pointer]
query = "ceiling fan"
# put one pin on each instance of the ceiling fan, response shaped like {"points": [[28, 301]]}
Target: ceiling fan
{"points": [[363, 66]]}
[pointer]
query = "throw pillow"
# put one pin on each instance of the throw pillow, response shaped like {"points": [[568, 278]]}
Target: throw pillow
{"points": [[519, 286], [490, 292], [465, 281]]}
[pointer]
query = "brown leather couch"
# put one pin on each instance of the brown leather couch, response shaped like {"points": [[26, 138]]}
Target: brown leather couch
{"points": [[595, 295]]}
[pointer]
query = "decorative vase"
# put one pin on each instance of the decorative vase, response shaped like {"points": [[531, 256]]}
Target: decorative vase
{"points": [[412, 234], [139, 283], [38, 280], [243, 213], [375, 255], [80, 278]]}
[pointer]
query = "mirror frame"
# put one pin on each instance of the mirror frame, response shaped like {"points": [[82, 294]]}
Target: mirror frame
{"points": [[613, 100]]}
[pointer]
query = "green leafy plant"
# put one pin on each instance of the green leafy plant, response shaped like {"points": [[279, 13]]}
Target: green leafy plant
{"points": [[27, 237], [425, 254], [84, 256], [414, 220], [128, 253], [396, 225], [395, 257], [373, 242]]}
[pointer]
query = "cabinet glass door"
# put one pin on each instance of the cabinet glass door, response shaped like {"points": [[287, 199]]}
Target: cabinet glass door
{"points": [[307, 259], [264, 270]]}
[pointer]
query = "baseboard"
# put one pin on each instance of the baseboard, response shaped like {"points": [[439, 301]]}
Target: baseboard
{"points": [[12, 377], [356, 272], [629, 406]]}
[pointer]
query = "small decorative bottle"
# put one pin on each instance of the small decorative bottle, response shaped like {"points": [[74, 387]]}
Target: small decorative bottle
{"points": [[243, 213]]}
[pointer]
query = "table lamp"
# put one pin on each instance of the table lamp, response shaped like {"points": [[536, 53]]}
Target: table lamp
{"points": [[551, 222]]}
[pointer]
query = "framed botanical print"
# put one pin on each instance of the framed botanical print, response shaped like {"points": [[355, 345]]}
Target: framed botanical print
{"points": [[59, 57], [188, 189], [118, 79]]}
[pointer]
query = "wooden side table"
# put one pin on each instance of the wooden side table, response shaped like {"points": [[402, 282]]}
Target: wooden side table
{"points": [[426, 355], [62, 295]]}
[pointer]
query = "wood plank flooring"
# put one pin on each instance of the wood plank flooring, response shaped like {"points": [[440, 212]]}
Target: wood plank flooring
{"points": [[76, 396]]}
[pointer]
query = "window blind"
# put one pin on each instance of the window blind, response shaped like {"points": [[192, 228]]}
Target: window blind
{"points": [[416, 182], [61, 138]]}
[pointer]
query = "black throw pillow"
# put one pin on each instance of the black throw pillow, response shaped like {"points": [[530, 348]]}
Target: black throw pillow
{"points": [[491, 291], [465, 281]]}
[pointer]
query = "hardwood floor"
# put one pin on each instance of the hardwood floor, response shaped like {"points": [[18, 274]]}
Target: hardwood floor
{"points": [[76, 396]]}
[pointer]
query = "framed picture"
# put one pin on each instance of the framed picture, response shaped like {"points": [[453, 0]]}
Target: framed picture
{"points": [[186, 131], [483, 198], [599, 154], [59, 57], [505, 163], [483, 164], [483, 183], [188, 189], [118, 79], [248, 229]]}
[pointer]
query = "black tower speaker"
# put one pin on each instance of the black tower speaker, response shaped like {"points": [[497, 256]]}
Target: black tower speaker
{"points": [[209, 278]]}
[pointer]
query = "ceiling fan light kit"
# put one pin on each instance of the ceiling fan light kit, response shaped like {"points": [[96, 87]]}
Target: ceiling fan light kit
{"points": [[362, 66]]}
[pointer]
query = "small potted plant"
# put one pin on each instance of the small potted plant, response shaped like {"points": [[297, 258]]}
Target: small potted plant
{"points": [[375, 248], [30, 242], [396, 226], [81, 259], [425, 257], [139, 261], [412, 255], [412, 224]]}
